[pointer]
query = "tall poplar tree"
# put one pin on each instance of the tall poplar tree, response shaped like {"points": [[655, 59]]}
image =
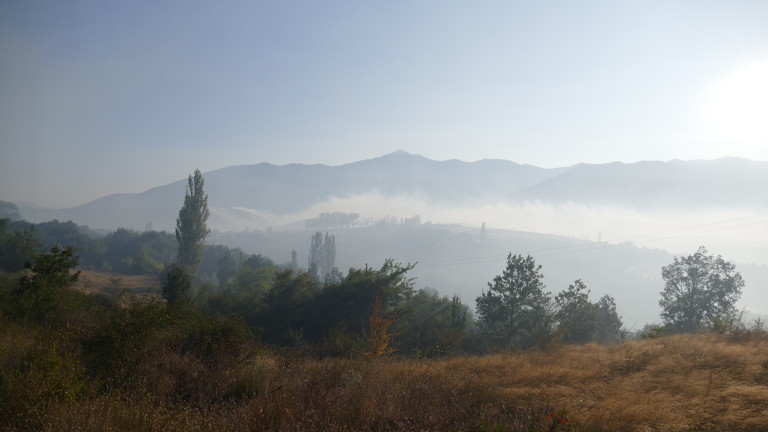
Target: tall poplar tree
{"points": [[191, 227]]}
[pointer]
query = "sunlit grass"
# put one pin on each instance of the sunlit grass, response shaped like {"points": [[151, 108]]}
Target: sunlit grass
{"points": [[676, 383]]}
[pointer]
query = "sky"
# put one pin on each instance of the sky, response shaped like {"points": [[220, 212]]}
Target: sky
{"points": [[105, 97]]}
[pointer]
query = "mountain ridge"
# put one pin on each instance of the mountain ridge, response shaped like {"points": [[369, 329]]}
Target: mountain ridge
{"points": [[265, 189]]}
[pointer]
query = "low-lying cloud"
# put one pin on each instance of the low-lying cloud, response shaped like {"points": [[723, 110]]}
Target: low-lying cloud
{"points": [[738, 235]]}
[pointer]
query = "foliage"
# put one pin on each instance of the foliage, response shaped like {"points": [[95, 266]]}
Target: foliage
{"points": [[287, 304], [580, 321], [9, 210], [609, 328], [380, 335], [349, 302], [89, 248], [17, 247], [514, 310], [322, 255], [227, 266], [699, 290], [191, 226], [130, 252], [177, 284], [255, 276], [432, 325], [38, 293]]}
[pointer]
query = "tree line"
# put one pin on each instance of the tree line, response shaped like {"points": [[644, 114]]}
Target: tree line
{"points": [[368, 310]]}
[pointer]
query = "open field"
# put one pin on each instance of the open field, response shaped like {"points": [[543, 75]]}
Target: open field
{"points": [[703, 382], [92, 282]]}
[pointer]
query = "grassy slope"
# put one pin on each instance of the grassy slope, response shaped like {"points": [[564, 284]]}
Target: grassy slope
{"points": [[676, 383]]}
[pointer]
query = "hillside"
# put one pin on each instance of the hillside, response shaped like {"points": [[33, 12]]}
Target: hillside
{"points": [[679, 383], [256, 196], [458, 260]]}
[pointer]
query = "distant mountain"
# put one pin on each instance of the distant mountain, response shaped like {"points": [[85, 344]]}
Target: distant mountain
{"points": [[255, 193], [725, 182]]}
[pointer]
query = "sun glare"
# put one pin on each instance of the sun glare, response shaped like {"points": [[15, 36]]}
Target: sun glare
{"points": [[735, 115]]}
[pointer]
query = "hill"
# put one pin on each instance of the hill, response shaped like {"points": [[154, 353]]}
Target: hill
{"points": [[257, 196]]}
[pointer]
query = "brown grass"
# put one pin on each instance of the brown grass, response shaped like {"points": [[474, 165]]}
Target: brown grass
{"points": [[93, 282], [676, 383]]}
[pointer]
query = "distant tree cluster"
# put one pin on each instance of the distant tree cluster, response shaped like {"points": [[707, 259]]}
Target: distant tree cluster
{"points": [[332, 220]]}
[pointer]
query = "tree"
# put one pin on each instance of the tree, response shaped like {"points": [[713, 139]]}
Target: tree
{"points": [[576, 316], [432, 325], [699, 291], [514, 309], [177, 284], [609, 324], [227, 268], [16, 247], [581, 321], [322, 255], [191, 227], [315, 255], [348, 302], [329, 255], [51, 273]]}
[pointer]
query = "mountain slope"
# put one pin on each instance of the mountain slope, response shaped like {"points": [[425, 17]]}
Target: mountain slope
{"points": [[250, 195], [725, 182]]}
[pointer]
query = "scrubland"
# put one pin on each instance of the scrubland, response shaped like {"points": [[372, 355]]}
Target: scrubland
{"points": [[703, 382]]}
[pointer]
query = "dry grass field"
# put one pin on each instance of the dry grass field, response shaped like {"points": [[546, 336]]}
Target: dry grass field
{"points": [[92, 282], [705, 382]]}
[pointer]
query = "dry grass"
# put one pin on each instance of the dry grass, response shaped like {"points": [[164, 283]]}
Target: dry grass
{"points": [[93, 282], [676, 383]]}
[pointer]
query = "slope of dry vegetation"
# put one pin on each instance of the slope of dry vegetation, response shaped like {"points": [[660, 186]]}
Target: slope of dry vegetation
{"points": [[678, 383]]}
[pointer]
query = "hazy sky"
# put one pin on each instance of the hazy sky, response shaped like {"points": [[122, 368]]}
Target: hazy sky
{"points": [[99, 97]]}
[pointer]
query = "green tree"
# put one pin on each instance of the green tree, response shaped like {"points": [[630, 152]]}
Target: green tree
{"points": [[227, 268], [432, 325], [255, 276], [16, 247], [286, 304], [581, 321], [51, 273], [191, 227], [514, 310], [609, 325], [177, 284], [576, 316], [699, 291], [347, 302]]}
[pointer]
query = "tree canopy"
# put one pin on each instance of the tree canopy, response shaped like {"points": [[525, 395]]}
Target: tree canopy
{"points": [[191, 226], [699, 290], [514, 309]]}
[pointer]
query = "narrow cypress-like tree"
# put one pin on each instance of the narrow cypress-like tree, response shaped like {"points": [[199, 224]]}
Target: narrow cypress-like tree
{"points": [[329, 255], [315, 261], [191, 227]]}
